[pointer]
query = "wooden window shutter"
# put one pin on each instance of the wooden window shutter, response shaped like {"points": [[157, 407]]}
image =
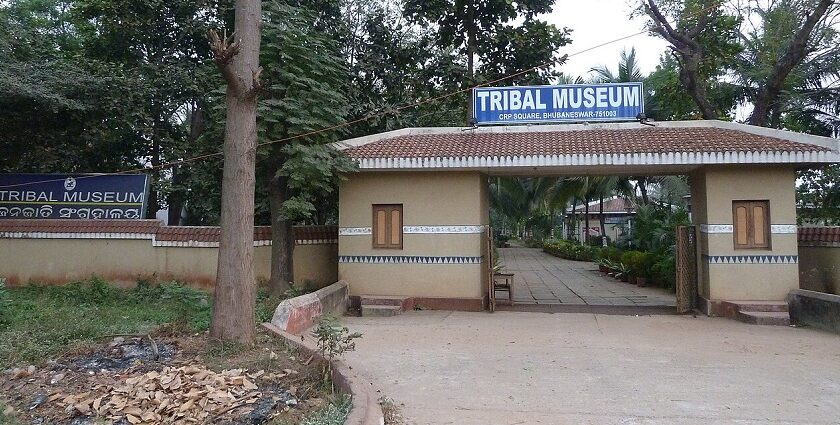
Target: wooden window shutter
{"points": [[388, 226], [751, 221]]}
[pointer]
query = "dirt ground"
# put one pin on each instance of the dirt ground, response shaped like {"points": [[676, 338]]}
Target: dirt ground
{"points": [[573, 368], [166, 378]]}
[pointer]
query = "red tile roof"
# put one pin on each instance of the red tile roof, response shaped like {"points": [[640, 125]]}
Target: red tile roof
{"points": [[819, 236], [596, 141], [614, 205]]}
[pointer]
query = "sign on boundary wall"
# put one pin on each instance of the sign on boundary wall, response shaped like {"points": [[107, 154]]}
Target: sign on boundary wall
{"points": [[74, 196], [561, 103]]}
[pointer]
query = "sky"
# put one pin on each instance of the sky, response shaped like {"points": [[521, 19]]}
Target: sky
{"points": [[597, 21]]}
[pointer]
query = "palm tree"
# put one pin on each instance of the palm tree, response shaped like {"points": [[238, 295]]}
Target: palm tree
{"points": [[628, 70]]}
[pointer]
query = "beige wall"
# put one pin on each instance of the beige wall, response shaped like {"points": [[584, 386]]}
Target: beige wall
{"points": [[819, 268], [713, 190], [428, 199], [56, 261]]}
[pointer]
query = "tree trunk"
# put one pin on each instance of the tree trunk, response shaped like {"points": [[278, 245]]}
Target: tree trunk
{"points": [[570, 232], [152, 209], [282, 239], [795, 52], [471, 41], [177, 198], [643, 190], [689, 53], [689, 76], [601, 213], [235, 293], [586, 221]]}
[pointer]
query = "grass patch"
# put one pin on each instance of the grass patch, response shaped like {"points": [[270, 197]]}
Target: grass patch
{"points": [[334, 413], [44, 321], [7, 419]]}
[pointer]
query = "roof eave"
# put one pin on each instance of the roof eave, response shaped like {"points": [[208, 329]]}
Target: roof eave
{"points": [[825, 142], [585, 160]]}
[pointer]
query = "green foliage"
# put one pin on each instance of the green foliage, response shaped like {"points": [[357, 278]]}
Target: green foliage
{"points": [[571, 250], [267, 303], [334, 413], [42, 321], [818, 196], [638, 263], [333, 340], [46, 320], [806, 101], [654, 228], [7, 419], [664, 270], [96, 85], [4, 302], [610, 253]]}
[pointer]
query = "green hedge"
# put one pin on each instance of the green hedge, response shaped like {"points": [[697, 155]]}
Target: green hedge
{"points": [[571, 250]]}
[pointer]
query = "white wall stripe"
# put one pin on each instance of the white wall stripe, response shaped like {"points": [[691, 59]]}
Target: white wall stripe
{"points": [[363, 231], [776, 229]]}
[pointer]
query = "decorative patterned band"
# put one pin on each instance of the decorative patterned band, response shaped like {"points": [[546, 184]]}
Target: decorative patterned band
{"points": [[716, 228], [752, 259], [776, 229], [407, 259], [360, 231]]}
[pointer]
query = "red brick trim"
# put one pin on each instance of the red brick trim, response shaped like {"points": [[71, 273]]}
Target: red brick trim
{"points": [[819, 236], [199, 236]]}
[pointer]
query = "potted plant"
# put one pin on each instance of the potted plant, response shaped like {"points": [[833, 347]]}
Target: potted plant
{"points": [[622, 272], [603, 266]]}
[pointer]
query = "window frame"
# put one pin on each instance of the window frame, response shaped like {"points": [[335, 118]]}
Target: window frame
{"points": [[389, 209], [750, 206]]}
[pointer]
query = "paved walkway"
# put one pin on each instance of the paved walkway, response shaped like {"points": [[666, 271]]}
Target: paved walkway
{"points": [[536, 368], [541, 278]]}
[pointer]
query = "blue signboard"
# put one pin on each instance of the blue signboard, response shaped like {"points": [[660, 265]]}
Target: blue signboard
{"points": [[76, 196], [564, 103]]}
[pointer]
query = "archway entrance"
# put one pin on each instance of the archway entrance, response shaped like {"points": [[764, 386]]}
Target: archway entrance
{"points": [[431, 189]]}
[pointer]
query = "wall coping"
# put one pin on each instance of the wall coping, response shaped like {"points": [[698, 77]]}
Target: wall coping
{"points": [[154, 230], [819, 236]]}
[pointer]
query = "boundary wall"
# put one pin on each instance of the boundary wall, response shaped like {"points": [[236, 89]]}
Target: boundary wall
{"points": [[819, 259], [122, 251]]}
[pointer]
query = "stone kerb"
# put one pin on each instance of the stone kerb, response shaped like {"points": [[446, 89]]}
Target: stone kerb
{"points": [[296, 315], [816, 309], [365, 408]]}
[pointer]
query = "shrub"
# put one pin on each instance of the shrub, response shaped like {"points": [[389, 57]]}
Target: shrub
{"points": [[571, 250], [638, 263], [333, 340], [610, 253], [664, 271]]}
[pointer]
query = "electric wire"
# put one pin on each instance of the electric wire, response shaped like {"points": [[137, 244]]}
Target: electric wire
{"points": [[344, 124]]}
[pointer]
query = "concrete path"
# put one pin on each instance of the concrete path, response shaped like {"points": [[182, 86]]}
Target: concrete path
{"points": [[536, 368], [540, 278]]}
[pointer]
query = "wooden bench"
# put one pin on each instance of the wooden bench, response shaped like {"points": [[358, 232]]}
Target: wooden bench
{"points": [[504, 282]]}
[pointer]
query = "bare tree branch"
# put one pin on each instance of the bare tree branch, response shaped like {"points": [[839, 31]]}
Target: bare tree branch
{"points": [[224, 49], [689, 54]]}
